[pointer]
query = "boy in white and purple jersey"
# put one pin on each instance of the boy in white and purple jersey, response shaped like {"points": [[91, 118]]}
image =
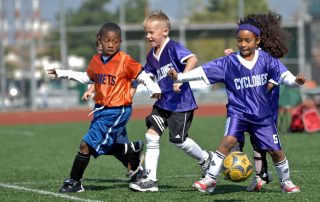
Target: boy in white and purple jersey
{"points": [[172, 110], [173, 55], [247, 75]]}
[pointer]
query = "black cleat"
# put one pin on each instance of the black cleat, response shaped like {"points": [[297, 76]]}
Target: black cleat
{"points": [[71, 185]]}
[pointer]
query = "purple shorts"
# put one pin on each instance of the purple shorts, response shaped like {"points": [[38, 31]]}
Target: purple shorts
{"points": [[265, 136]]}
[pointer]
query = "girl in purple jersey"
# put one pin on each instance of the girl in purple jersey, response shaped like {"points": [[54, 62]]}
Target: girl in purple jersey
{"points": [[248, 75], [172, 110], [270, 25]]}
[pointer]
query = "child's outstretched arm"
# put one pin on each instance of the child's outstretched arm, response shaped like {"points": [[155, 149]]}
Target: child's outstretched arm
{"points": [[153, 87], [290, 80], [193, 75], [81, 77], [191, 63]]}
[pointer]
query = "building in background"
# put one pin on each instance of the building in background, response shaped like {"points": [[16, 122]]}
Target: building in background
{"points": [[24, 31]]}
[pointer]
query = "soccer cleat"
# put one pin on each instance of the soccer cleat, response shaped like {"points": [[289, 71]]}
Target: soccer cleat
{"points": [[71, 185], [206, 184], [134, 177], [258, 182], [206, 164], [144, 185], [287, 186]]}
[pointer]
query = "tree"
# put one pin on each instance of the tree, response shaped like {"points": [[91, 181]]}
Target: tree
{"points": [[227, 10], [91, 15], [220, 11]]}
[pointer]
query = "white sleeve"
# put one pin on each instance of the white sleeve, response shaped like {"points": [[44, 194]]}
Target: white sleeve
{"points": [[288, 79], [193, 75], [152, 86], [82, 77]]}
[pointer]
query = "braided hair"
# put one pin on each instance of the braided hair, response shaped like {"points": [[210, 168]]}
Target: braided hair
{"points": [[274, 39]]}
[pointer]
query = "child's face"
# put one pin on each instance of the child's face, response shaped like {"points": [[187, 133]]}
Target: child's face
{"points": [[247, 43], [156, 33], [110, 42]]}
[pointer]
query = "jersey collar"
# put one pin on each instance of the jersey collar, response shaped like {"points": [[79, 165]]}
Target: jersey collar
{"points": [[157, 57], [246, 63]]}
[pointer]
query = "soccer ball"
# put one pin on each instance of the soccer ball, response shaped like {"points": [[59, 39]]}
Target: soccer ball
{"points": [[237, 167]]}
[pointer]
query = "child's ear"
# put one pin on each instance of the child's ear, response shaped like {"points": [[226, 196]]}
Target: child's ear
{"points": [[258, 40], [166, 31]]}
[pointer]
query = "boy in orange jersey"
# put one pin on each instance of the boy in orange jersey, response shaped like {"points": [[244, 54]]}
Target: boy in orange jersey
{"points": [[111, 72]]}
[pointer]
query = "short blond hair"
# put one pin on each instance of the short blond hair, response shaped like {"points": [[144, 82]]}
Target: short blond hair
{"points": [[158, 16]]}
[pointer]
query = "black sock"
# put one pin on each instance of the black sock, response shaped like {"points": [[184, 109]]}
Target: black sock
{"points": [[127, 155], [79, 166], [118, 149], [264, 166], [122, 158]]}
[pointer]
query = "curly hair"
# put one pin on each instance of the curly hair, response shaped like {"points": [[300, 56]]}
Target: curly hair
{"points": [[274, 39]]}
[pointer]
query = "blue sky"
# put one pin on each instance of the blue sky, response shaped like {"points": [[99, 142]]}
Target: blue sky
{"points": [[50, 8]]}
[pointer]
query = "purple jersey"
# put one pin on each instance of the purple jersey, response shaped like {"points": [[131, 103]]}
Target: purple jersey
{"points": [[275, 93], [246, 85], [173, 55]]}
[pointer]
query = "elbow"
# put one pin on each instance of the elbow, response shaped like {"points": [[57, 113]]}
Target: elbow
{"points": [[195, 59]]}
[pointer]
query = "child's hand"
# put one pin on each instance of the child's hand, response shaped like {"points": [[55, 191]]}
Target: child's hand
{"points": [[228, 51], [176, 87], [173, 74], [270, 86], [87, 95], [52, 73], [300, 79], [156, 95]]}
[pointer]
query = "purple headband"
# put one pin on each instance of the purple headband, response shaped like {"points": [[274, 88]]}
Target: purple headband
{"points": [[250, 28]]}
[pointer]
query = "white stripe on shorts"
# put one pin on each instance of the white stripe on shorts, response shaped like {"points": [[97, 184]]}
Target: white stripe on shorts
{"points": [[159, 121], [226, 127]]}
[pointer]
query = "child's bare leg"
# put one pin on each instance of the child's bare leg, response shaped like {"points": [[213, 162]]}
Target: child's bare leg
{"points": [[227, 143]]}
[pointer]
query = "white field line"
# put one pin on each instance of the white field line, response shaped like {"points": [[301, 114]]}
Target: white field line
{"points": [[46, 193], [17, 132]]}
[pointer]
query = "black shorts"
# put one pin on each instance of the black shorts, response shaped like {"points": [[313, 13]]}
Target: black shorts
{"points": [[177, 122]]}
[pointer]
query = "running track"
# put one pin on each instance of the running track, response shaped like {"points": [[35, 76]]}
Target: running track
{"points": [[81, 115]]}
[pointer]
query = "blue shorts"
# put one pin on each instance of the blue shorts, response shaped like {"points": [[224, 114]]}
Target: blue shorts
{"points": [[265, 136], [108, 127]]}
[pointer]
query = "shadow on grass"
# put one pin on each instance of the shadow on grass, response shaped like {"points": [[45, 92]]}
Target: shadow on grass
{"points": [[114, 184], [220, 189], [105, 180]]}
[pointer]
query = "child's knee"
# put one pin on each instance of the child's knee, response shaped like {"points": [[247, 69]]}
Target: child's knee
{"points": [[153, 141], [277, 156], [84, 148]]}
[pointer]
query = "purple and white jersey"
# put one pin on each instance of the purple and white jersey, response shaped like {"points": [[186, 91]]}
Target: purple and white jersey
{"points": [[172, 55], [275, 93], [246, 84]]}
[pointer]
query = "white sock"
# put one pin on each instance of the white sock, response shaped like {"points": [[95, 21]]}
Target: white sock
{"points": [[215, 165], [152, 155], [193, 149], [282, 169], [257, 161]]}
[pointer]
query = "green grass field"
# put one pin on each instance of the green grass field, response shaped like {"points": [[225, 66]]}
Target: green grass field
{"points": [[35, 159]]}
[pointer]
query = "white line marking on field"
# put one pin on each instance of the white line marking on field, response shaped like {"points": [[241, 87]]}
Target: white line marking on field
{"points": [[46, 193], [17, 132], [180, 176]]}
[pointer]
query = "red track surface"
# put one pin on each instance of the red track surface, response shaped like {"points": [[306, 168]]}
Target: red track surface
{"points": [[81, 115]]}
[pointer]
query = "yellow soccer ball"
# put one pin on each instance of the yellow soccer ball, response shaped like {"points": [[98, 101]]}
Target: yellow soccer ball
{"points": [[237, 167]]}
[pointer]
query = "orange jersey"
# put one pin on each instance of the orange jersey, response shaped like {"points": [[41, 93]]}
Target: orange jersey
{"points": [[113, 79]]}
